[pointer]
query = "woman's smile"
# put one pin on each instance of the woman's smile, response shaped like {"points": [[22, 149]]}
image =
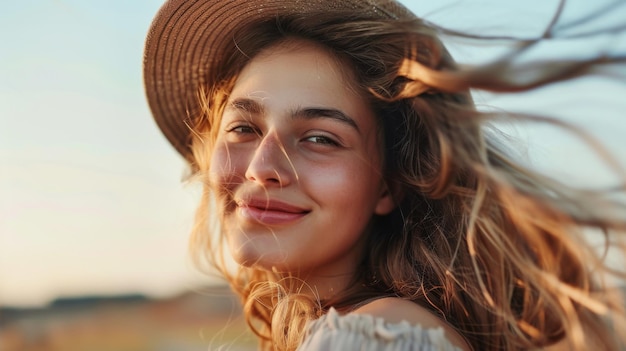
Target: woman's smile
{"points": [[270, 212]]}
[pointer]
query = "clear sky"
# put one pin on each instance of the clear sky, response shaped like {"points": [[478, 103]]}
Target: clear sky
{"points": [[90, 195]]}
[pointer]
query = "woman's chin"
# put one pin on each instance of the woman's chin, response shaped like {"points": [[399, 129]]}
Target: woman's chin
{"points": [[252, 256]]}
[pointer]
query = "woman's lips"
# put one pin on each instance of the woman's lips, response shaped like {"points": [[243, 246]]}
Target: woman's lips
{"points": [[270, 212]]}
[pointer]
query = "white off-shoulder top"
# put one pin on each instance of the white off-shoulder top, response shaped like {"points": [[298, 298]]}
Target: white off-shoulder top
{"points": [[363, 332]]}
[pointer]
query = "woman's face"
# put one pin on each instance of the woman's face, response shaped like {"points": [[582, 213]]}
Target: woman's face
{"points": [[296, 167]]}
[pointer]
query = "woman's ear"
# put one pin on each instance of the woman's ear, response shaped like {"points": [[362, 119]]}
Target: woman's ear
{"points": [[389, 199]]}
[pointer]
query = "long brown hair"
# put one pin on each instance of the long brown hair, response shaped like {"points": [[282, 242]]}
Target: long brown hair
{"points": [[492, 247]]}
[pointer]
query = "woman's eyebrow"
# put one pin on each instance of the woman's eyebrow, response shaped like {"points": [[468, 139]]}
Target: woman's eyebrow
{"points": [[245, 104], [252, 106], [321, 112]]}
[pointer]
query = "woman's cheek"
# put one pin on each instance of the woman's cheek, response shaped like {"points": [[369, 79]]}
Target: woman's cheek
{"points": [[220, 169], [227, 167]]}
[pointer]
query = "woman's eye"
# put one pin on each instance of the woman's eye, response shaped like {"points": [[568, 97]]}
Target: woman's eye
{"points": [[320, 139], [241, 129], [239, 133]]}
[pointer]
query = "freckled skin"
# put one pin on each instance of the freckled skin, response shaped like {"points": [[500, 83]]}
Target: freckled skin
{"points": [[324, 170]]}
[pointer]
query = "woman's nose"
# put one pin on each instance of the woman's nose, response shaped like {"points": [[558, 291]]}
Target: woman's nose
{"points": [[270, 164]]}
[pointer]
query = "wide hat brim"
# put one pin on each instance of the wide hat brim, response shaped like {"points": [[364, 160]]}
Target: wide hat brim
{"points": [[187, 38]]}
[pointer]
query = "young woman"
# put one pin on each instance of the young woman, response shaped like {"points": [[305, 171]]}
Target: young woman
{"points": [[352, 182]]}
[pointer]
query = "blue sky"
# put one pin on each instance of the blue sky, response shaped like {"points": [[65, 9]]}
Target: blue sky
{"points": [[90, 195]]}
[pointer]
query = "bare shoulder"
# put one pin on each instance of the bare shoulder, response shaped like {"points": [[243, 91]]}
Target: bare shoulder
{"points": [[396, 310]]}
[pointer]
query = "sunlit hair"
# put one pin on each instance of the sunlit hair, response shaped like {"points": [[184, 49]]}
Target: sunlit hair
{"points": [[493, 248]]}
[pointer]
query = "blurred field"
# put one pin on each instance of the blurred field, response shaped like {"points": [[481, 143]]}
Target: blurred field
{"points": [[203, 320], [208, 319]]}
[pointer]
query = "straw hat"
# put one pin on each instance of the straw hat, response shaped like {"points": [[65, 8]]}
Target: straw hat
{"points": [[187, 37]]}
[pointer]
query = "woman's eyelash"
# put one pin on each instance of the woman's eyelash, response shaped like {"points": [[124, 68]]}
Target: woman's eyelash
{"points": [[321, 139], [241, 128]]}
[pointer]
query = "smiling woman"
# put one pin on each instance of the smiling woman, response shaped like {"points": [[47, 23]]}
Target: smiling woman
{"points": [[297, 147], [357, 190]]}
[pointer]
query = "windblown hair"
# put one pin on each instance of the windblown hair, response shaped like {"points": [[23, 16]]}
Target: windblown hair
{"points": [[495, 249]]}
